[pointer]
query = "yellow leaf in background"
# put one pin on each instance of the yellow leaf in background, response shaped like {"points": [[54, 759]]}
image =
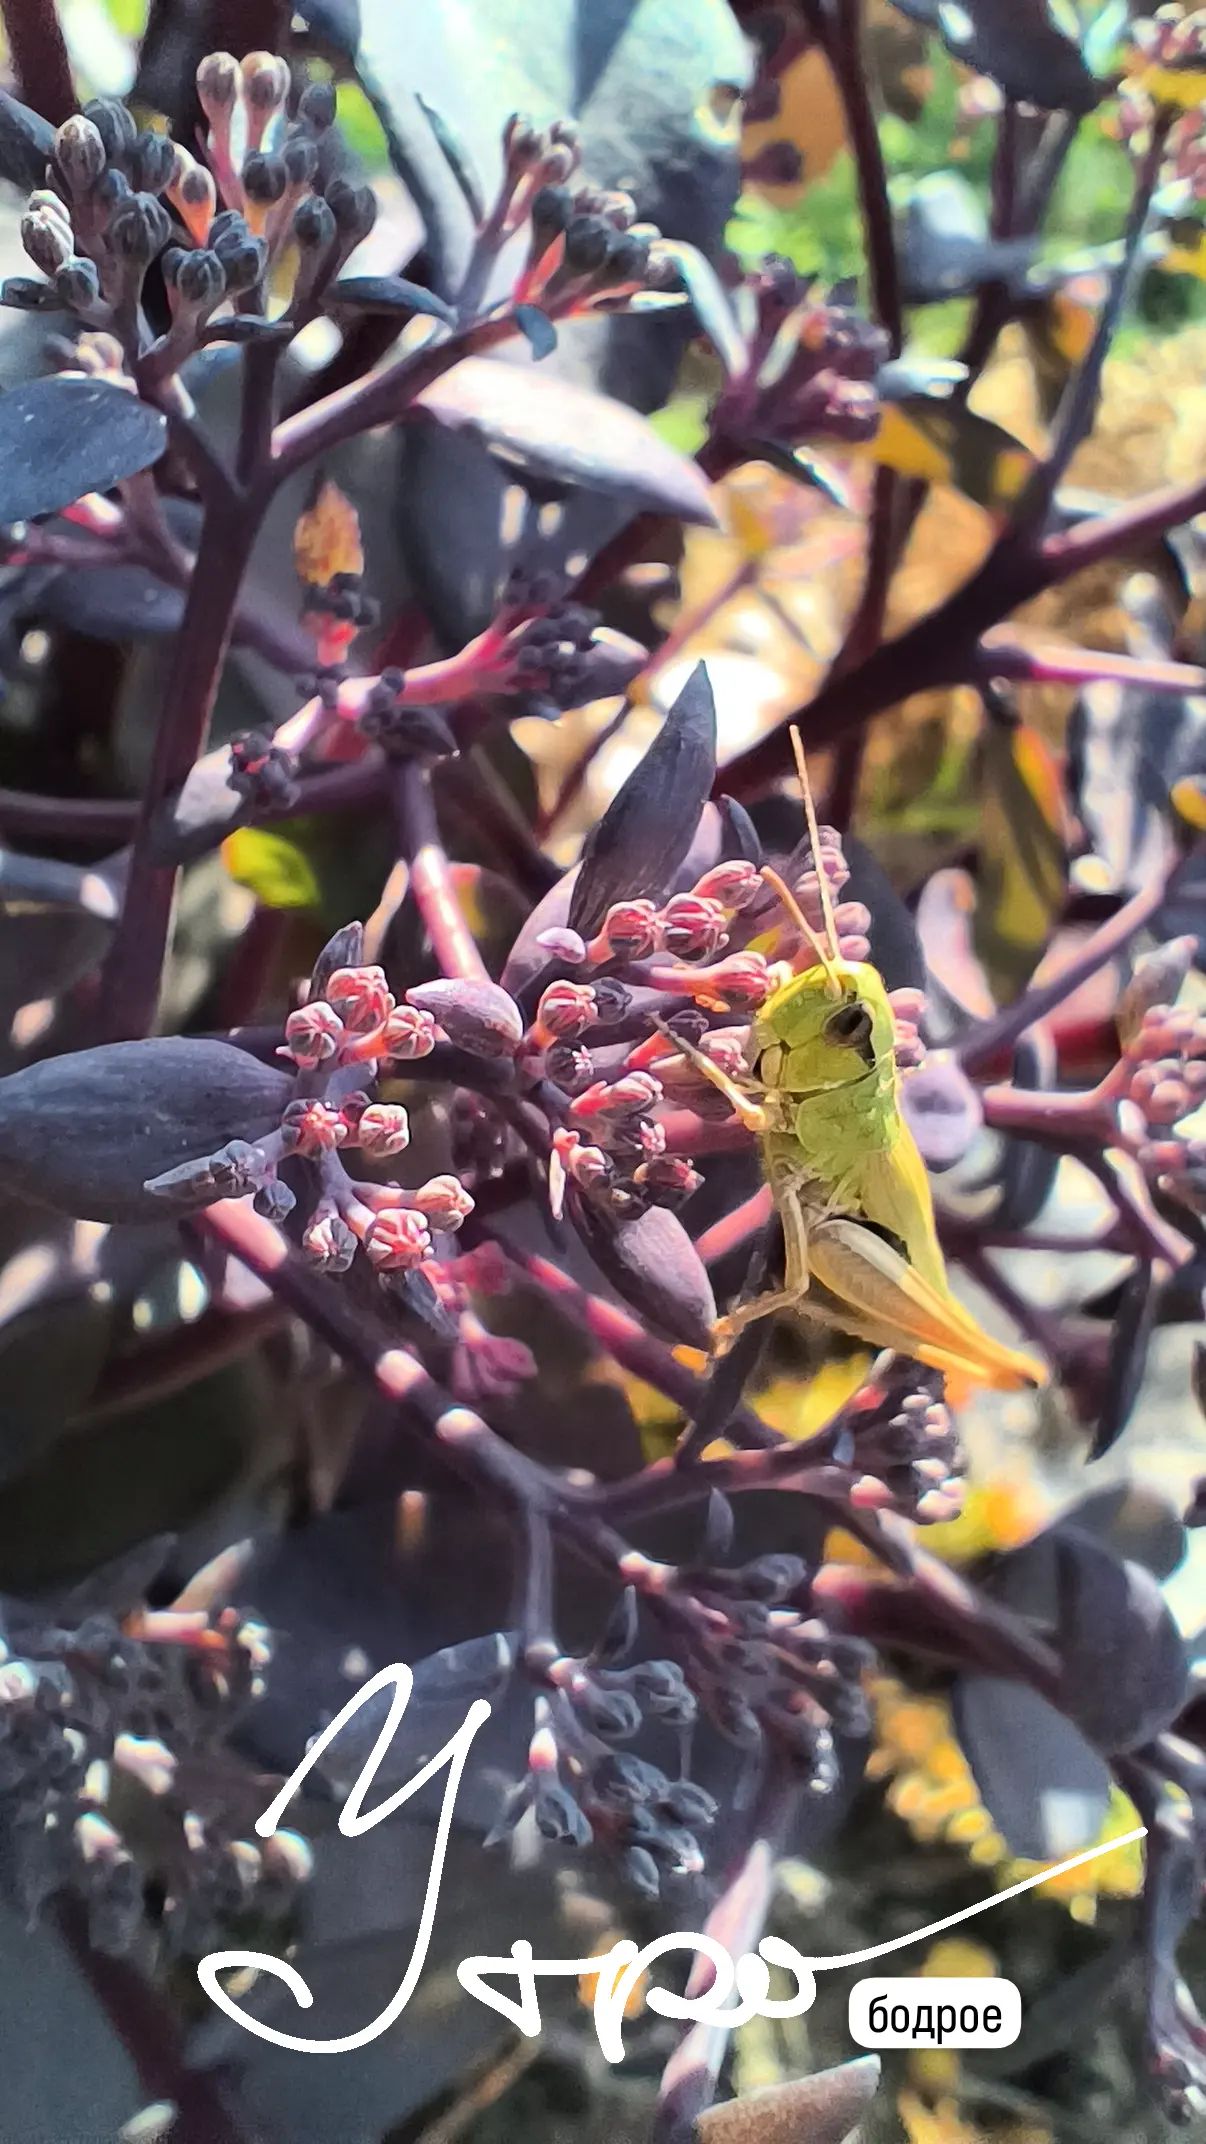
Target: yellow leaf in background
{"points": [[1186, 253], [326, 540], [1184, 88], [954, 1958], [753, 531], [999, 1512], [275, 869], [939, 2124], [931, 1788], [1188, 799], [1023, 846], [800, 1406], [943, 444]]}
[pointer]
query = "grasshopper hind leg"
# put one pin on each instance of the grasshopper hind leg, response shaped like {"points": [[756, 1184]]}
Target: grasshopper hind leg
{"points": [[789, 1297]]}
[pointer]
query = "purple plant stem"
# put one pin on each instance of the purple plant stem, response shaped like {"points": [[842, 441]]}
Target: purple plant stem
{"points": [[24, 815], [736, 1921], [382, 398], [150, 2034], [38, 53], [943, 647], [801, 1468], [1076, 415], [993, 1037], [430, 877], [1083, 666], [130, 978], [635, 1349], [840, 31], [1000, 1639], [865, 634]]}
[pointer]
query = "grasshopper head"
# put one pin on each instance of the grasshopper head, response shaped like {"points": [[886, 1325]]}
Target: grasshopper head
{"points": [[845, 1030]]}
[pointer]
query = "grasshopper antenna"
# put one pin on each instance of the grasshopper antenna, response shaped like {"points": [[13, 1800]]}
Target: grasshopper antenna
{"points": [[807, 933], [818, 854]]}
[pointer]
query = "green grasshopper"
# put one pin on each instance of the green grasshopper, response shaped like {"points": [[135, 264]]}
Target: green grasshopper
{"points": [[821, 1094]]}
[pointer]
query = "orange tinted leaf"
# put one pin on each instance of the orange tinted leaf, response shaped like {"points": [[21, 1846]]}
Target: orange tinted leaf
{"points": [[326, 541]]}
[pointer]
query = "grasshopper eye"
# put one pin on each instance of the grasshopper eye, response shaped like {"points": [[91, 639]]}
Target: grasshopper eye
{"points": [[850, 1025]]}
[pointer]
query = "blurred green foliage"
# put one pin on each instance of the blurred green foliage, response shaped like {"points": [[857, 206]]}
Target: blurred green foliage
{"points": [[821, 233]]}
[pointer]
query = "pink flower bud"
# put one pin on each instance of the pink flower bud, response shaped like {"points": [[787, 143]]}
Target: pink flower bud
{"points": [[630, 929], [409, 1033], [329, 1241], [566, 1010], [313, 1035], [487, 1365], [361, 997], [689, 925], [444, 1201], [563, 945], [632, 1095], [1168, 1100], [734, 884], [582, 1165], [383, 1130], [313, 1128], [739, 984], [669, 1175], [398, 1240]]}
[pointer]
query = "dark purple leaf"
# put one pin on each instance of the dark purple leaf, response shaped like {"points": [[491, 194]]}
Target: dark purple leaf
{"points": [[740, 837], [1027, 1172], [479, 1017], [67, 435], [652, 1263], [1045, 1789], [1124, 1667], [1130, 1338], [457, 158], [647, 829], [83, 1133], [111, 603], [27, 294], [122, 1583], [825, 2109], [26, 144], [50, 1358], [944, 247], [1016, 45], [388, 294], [565, 435], [804, 467], [1135, 1522], [344, 950], [246, 327], [537, 328], [478, 1667], [710, 304]]}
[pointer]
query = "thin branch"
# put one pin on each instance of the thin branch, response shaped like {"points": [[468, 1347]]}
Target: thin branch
{"points": [[633, 1348], [1002, 657], [1080, 404], [430, 876], [736, 1921], [992, 1037], [843, 46], [132, 973], [38, 52], [382, 398]]}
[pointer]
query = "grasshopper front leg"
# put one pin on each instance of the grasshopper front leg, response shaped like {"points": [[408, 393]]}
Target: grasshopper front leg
{"points": [[752, 1113], [795, 1277]]}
